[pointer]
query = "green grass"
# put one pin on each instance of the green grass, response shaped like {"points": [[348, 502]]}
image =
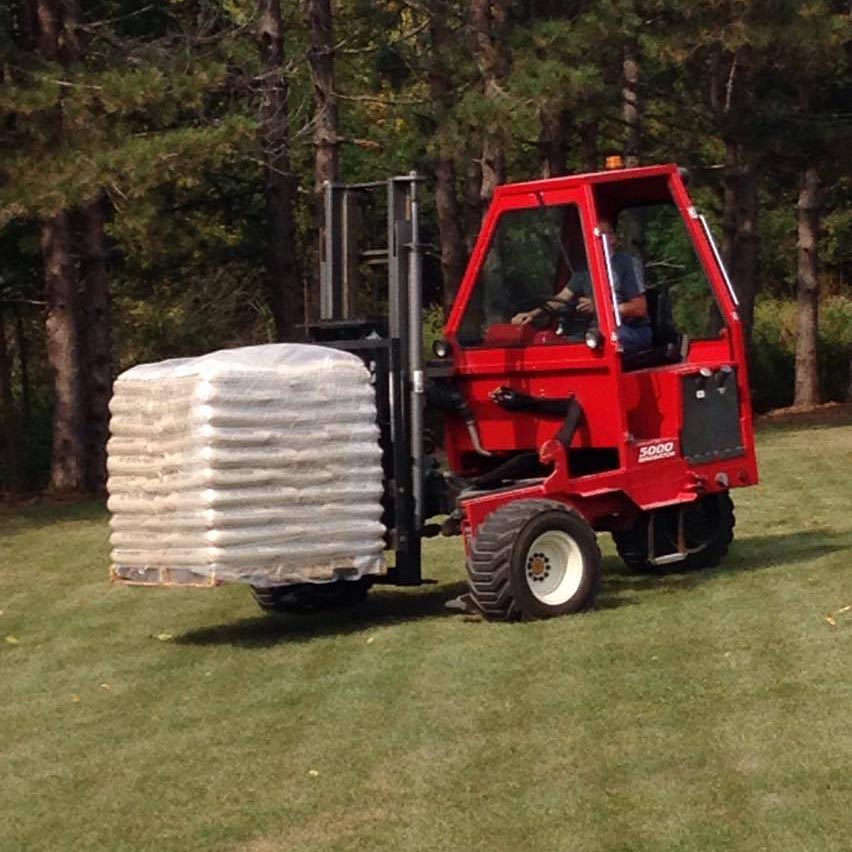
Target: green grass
{"points": [[689, 712]]}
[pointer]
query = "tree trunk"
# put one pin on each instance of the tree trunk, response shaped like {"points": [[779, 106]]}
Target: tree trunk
{"points": [[630, 108], [54, 28], [634, 221], [731, 96], [22, 345], [472, 202], [283, 276], [730, 178], [27, 21], [321, 58], [453, 253], [58, 39], [8, 417], [552, 123], [807, 288], [68, 466], [745, 262], [488, 20], [589, 146], [493, 166], [45, 24], [740, 228], [849, 387], [326, 140], [96, 338]]}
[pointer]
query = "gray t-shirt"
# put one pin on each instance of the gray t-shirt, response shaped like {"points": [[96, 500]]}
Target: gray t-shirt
{"points": [[629, 282]]}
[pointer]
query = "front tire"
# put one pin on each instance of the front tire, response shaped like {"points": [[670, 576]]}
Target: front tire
{"points": [[708, 532], [306, 598], [533, 559]]}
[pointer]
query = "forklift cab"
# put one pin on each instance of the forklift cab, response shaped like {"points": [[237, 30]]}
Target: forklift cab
{"points": [[540, 238], [543, 236]]}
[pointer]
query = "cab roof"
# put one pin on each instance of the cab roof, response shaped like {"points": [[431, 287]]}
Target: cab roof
{"points": [[608, 176]]}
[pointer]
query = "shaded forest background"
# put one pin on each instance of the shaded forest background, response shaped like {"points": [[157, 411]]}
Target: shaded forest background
{"points": [[160, 165]]}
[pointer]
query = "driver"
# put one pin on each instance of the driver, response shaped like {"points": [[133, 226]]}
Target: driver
{"points": [[634, 333]]}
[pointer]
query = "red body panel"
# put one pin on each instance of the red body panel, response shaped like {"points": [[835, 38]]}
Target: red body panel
{"points": [[637, 413]]}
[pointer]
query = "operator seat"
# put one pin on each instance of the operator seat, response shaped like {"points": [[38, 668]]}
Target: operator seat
{"points": [[668, 345]]}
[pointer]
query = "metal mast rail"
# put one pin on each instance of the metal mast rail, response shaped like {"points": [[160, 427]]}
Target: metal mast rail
{"points": [[398, 356]]}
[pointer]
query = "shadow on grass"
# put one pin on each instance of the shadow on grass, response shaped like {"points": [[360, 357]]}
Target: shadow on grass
{"points": [[382, 607], [621, 587], [749, 554]]}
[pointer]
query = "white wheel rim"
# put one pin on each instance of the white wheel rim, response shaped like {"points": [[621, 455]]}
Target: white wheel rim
{"points": [[554, 568]]}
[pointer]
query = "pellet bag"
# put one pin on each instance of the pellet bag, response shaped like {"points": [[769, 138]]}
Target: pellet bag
{"points": [[258, 465]]}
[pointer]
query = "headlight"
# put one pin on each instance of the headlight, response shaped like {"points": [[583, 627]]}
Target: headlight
{"points": [[594, 339], [442, 349]]}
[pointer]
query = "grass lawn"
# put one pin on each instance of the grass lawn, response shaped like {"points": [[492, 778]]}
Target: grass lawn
{"points": [[689, 712]]}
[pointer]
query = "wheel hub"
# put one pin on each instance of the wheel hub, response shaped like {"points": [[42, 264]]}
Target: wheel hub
{"points": [[554, 567], [538, 567]]}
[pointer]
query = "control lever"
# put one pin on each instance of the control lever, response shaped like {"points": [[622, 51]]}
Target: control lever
{"points": [[515, 400]]}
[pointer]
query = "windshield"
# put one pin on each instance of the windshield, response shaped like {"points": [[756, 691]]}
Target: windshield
{"points": [[534, 253]]}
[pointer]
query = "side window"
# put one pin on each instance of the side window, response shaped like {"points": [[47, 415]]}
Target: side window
{"points": [[535, 253], [679, 291]]}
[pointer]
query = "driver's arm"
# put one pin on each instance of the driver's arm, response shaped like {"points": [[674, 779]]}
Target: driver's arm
{"points": [[630, 287], [635, 308], [557, 299]]}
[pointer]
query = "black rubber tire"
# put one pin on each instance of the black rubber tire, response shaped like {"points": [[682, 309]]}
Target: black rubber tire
{"points": [[718, 517], [496, 564], [306, 598]]}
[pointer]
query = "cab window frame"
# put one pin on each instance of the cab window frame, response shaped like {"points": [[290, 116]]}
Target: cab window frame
{"points": [[563, 268]]}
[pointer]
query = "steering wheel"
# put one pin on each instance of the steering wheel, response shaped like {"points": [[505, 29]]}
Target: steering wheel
{"points": [[560, 315]]}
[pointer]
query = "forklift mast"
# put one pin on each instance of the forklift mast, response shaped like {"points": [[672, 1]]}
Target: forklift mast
{"points": [[391, 346]]}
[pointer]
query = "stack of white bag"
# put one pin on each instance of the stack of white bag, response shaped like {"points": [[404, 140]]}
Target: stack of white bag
{"points": [[258, 465]]}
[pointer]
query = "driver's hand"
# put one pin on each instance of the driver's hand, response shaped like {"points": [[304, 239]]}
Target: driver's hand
{"points": [[522, 318], [585, 305]]}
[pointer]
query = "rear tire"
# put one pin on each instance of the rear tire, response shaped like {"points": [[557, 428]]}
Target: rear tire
{"points": [[306, 598], [533, 559], [709, 531]]}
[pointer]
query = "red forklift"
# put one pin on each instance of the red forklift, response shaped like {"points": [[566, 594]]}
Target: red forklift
{"points": [[554, 429]]}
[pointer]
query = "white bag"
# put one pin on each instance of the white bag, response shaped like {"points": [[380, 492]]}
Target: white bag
{"points": [[258, 465]]}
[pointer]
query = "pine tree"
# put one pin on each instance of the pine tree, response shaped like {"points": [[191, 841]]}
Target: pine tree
{"points": [[58, 39], [283, 277], [321, 57], [489, 25], [447, 204]]}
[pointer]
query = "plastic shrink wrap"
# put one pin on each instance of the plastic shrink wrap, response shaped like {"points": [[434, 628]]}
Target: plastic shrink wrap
{"points": [[258, 465]]}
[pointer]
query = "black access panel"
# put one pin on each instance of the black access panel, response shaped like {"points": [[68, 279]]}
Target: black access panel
{"points": [[711, 416]]}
